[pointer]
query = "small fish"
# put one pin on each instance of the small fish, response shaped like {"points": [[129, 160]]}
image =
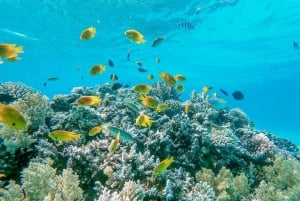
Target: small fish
{"points": [[157, 41], [206, 89], [97, 69], [52, 78], [2, 175], [139, 63], [169, 79], [88, 33], [143, 120], [6, 98], [179, 88], [295, 45], [162, 166], [186, 25], [111, 63], [180, 78], [12, 117], [150, 77], [114, 144], [186, 107], [95, 130], [123, 134], [132, 107], [135, 36], [65, 136], [161, 107], [116, 86], [157, 60], [149, 101], [142, 70], [238, 95], [9, 51], [113, 77], [78, 68], [128, 54], [45, 84], [224, 92], [88, 101], [142, 88]]}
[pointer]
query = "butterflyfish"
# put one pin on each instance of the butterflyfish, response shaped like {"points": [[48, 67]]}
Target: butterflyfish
{"points": [[163, 165], [142, 88], [88, 33], [179, 88], [12, 117], [88, 101], [149, 101], [180, 78], [169, 79], [161, 107], [97, 69], [135, 36], [144, 121], [65, 136]]}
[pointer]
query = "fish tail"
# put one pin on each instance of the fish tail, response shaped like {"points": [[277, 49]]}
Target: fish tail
{"points": [[19, 49]]}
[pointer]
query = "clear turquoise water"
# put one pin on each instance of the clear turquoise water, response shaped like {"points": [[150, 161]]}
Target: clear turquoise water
{"points": [[236, 45]]}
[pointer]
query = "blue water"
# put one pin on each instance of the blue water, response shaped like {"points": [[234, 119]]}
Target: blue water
{"points": [[235, 45]]}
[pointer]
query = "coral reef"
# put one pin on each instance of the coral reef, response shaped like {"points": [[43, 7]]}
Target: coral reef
{"points": [[218, 154]]}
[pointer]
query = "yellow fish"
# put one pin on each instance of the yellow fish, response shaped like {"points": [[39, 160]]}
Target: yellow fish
{"points": [[62, 135], [179, 88], [88, 33], [162, 166], [88, 101], [142, 88], [206, 89], [97, 69], [150, 77], [161, 107], [157, 60], [95, 130], [149, 101], [169, 79], [143, 120], [114, 144], [135, 36], [186, 107], [10, 50], [13, 59], [180, 78], [12, 117]]}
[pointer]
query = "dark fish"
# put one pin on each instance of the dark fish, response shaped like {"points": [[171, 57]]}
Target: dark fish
{"points": [[6, 98], [295, 45], [157, 41], [52, 78], [139, 63], [237, 95], [128, 54], [113, 77], [224, 92], [142, 70], [45, 84], [116, 86], [111, 63], [186, 25]]}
